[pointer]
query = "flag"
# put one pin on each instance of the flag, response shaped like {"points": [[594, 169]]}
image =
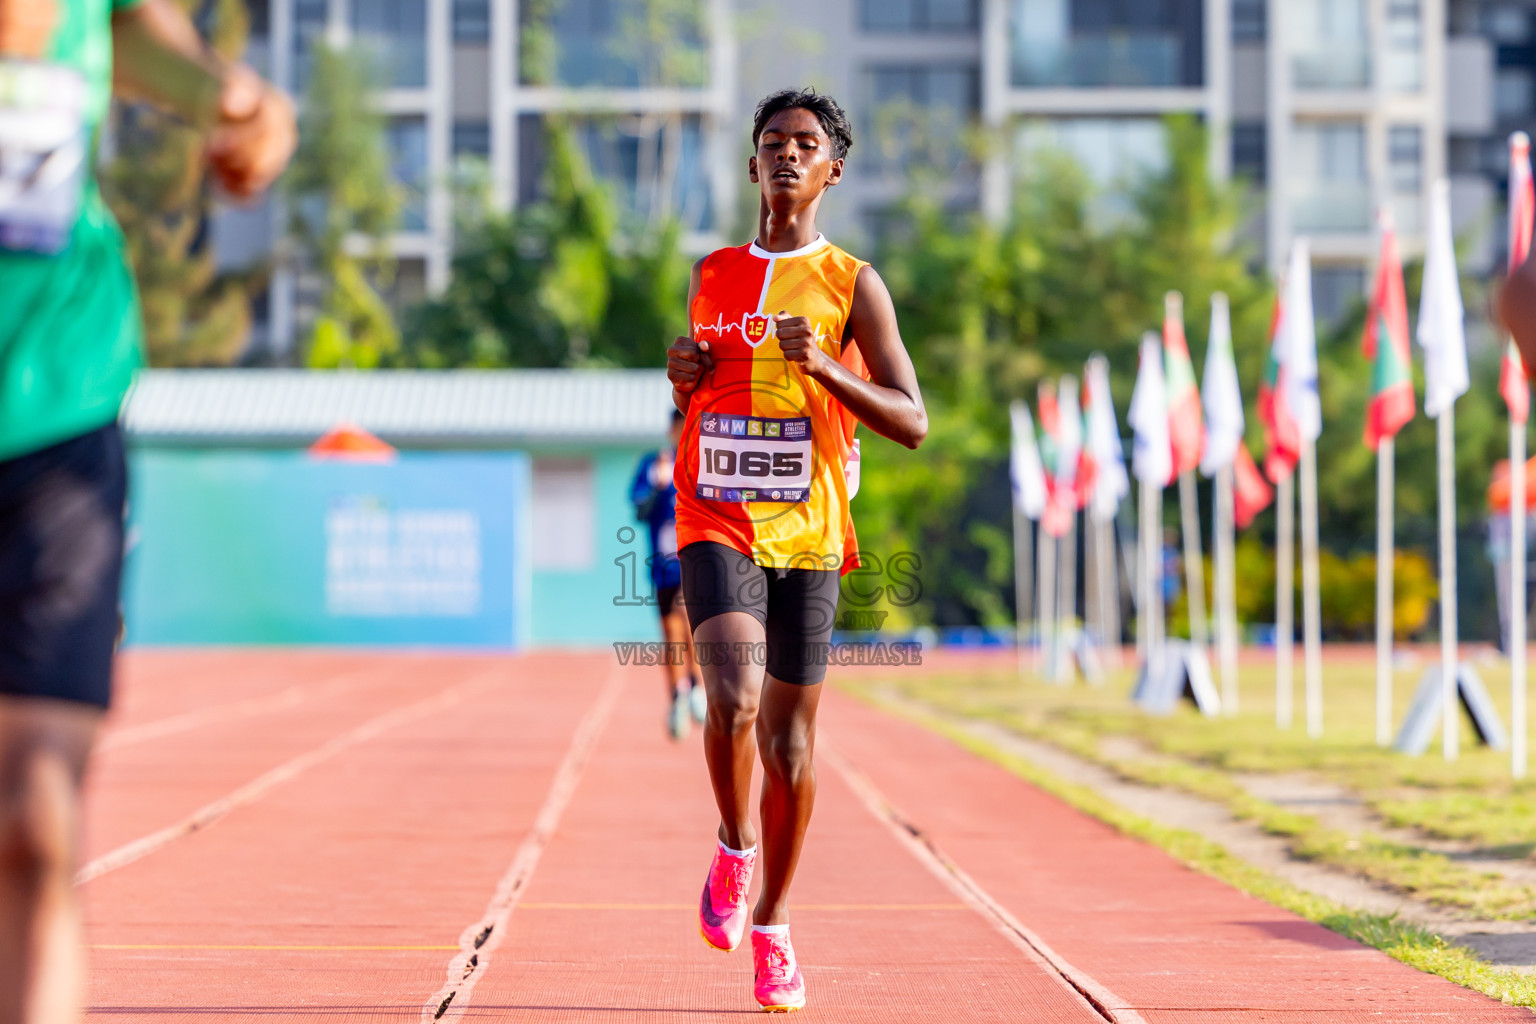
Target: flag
{"points": [[1152, 455], [1299, 359], [1442, 320], [1522, 212], [1063, 504], [1219, 391], [1251, 493], [1282, 435], [1050, 423], [1024, 464], [1185, 431], [1385, 343], [1110, 481]]}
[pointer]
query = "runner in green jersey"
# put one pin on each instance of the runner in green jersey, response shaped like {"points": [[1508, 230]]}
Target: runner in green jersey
{"points": [[69, 344]]}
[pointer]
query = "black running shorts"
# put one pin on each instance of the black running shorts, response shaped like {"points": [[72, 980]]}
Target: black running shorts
{"points": [[667, 599], [796, 607], [61, 560]]}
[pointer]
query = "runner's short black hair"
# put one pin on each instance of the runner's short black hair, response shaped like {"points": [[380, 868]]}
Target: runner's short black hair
{"points": [[834, 121]]}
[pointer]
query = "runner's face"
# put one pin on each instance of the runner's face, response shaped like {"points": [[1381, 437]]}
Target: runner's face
{"points": [[794, 158]]}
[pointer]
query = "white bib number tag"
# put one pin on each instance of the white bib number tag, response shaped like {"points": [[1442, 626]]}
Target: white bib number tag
{"points": [[754, 458], [43, 152]]}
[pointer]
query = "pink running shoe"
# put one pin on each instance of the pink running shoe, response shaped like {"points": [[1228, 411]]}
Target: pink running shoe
{"points": [[779, 985], [723, 906]]}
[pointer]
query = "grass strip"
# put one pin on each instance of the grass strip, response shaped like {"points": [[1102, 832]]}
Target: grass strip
{"points": [[1411, 944]]}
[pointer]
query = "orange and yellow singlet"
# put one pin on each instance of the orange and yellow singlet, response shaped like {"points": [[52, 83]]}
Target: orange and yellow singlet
{"points": [[761, 465]]}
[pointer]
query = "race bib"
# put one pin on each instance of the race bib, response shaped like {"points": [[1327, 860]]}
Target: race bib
{"points": [[43, 154], [754, 458]]}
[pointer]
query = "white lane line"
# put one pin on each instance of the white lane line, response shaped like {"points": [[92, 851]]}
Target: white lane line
{"points": [[479, 940], [266, 704], [210, 813], [1103, 1001]]}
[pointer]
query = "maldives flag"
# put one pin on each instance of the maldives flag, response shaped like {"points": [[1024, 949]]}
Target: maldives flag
{"points": [[1186, 431], [1386, 343], [1251, 493], [1522, 213], [1282, 433]]}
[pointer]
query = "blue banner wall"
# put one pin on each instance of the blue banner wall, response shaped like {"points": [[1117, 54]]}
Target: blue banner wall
{"points": [[276, 547]]}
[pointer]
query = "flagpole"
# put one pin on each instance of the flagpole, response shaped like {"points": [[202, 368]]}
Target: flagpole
{"points": [[1145, 573], [1091, 624], [1385, 470], [1517, 639], [1226, 589], [1194, 559], [1445, 455], [1311, 592], [1022, 556], [1108, 588], [1046, 611], [1285, 602], [1066, 631]]}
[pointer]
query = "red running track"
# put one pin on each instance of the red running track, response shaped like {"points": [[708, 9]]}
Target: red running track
{"points": [[355, 837]]}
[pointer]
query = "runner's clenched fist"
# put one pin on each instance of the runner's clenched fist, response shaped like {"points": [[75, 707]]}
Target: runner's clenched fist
{"points": [[688, 362], [797, 340]]}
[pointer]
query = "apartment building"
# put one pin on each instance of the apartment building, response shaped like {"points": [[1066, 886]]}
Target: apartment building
{"points": [[1331, 108]]}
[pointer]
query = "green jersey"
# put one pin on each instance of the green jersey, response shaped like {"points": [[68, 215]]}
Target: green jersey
{"points": [[70, 330]]}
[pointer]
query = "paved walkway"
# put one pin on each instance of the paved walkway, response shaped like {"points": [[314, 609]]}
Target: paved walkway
{"points": [[319, 836]]}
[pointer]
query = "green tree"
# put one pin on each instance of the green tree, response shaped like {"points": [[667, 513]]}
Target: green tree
{"points": [[155, 185], [555, 283], [345, 203]]}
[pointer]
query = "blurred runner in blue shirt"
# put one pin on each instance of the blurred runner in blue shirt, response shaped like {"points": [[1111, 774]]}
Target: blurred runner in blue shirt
{"points": [[655, 501]]}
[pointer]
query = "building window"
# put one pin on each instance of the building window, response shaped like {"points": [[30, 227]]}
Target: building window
{"points": [[1405, 46], [1512, 93], [564, 533], [406, 138], [1509, 24], [1250, 151], [1329, 188], [655, 167], [1330, 44], [613, 43], [308, 32], [1250, 21], [918, 114], [471, 21], [1113, 153], [395, 33], [1121, 43], [472, 138], [918, 15], [1336, 290], [1405, 158]]}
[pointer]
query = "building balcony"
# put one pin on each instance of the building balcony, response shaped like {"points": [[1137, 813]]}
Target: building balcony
{"points": [[1104, 60], [1330, 207], [1325, 67]]}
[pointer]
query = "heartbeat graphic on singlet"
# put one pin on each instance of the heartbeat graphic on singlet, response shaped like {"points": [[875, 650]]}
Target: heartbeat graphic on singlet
{"points": [[720, 327]]}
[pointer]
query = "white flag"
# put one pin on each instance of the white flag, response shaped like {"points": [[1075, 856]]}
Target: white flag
{"points": [[1300, 329], [1442, 320], [1219, 393], [1152, 456], [1069, 438], [1110, 483], [1024, 464]]}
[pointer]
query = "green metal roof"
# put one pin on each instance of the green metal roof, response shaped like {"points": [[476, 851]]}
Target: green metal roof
{"points": [[410, 408]]}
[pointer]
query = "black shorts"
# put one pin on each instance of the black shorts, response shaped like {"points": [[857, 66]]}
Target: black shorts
{"points": [[667, 599], [61, 562], [796, 607]]}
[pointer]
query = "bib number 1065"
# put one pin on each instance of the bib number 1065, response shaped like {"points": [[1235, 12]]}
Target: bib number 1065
{"points": [[725, 462], [753, 458]]}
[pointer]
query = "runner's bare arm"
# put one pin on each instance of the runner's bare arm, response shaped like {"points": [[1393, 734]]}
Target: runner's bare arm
{"points": [[159, 57], [889, 403], [687, 361]]}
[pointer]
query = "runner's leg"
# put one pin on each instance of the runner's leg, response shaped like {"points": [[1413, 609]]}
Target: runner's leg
{"points": [[734, 684], [44, 745], [786, 734]]}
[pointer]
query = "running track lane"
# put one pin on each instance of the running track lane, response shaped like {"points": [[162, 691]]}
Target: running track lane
{"points": [[1176, 946], [336, 894]]}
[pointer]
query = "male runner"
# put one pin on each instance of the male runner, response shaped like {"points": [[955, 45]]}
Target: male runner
{"points": [[69, 344], [793, 343], [655, 500]]}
